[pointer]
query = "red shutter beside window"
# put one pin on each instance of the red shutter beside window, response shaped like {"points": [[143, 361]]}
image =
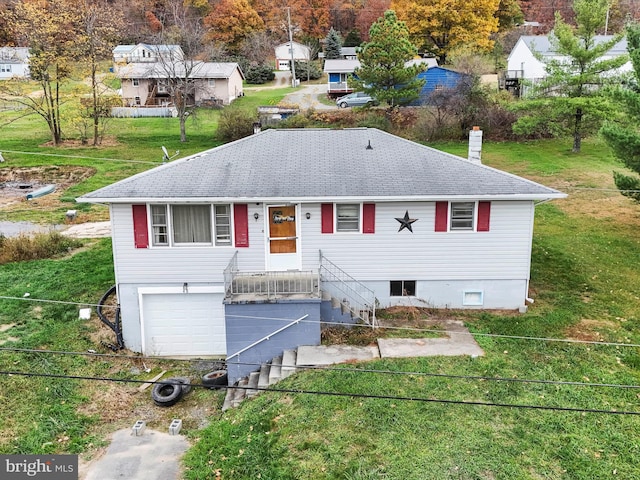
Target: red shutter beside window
{"points": [[140, 229], [327, 217], [241, 224], [484, 214], [368, 218], [442, 216]]}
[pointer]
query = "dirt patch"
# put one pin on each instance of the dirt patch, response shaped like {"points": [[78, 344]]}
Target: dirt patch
{"points": [[17, 182], [590, 330]]}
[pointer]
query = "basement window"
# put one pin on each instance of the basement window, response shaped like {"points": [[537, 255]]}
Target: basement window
{"points": [[473, 298], [403, 288]]}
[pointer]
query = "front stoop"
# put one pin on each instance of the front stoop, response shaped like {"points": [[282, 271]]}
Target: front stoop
{"points": [[269, 374]]}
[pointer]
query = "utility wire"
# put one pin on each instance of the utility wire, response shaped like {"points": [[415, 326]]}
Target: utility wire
{"points": [[424, 330], [79, 157], [336, 369], [340, 394]]}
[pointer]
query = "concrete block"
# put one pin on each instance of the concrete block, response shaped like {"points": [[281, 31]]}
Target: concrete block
{"points": [[175, 426], [138, 428], [85, 314]]}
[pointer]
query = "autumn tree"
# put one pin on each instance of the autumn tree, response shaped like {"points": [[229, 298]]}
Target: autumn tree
{"points": [[342, 14], [569, 99], [382, 72], [231, 22], [509, 14], [178, 70], [99, 27], [371, 10], [437, 26], [332, 45], [623, 136], [50, 31]]}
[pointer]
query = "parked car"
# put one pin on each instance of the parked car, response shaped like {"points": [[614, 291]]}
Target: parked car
{"points": [[356, 99]]}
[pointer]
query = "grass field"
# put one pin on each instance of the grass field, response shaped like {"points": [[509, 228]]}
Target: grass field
{"points": [[585, 286]]}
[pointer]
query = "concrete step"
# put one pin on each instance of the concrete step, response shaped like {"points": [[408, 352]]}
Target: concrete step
{"points": [[253, 384], [240, 393], [228, 399], [276, 368], [288, 363], [263, 379]]}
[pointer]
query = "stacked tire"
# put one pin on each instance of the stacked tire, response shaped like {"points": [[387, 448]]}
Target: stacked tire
{"points": [[169, 391], [215, 379]]}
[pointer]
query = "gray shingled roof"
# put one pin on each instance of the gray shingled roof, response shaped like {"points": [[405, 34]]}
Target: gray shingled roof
{"points": [[159, 70], [321, 164], [542, 45]]}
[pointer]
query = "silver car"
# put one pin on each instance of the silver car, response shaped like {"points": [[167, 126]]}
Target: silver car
{"points": [[356, 99]]}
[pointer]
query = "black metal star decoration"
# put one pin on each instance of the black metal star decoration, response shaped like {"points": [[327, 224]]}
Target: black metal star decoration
{"points": [[406, 222]]}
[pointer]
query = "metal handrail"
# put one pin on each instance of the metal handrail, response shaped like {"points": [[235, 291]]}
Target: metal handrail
{"points": [[357, 299], [267, 337]]}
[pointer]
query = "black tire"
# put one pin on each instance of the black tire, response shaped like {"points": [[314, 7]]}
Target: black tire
{"points": [[343, 105], [165, 394], [184, 381], [215, 379]]}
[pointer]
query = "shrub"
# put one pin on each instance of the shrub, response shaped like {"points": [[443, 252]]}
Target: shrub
{"points": [[36, 247], [307, 71], [235, 123], [259, 74]]}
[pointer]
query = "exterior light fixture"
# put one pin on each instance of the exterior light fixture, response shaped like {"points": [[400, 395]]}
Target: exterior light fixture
{"points": [[256, 216], [308, 215]]}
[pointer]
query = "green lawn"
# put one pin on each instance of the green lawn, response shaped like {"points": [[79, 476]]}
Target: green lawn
{"points": [[584, 283]]}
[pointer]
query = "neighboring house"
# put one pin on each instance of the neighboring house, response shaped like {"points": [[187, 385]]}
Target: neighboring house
{"points": [[146, 84], [146, 53], [248, 246], [349, 53], [14, 62], [283, 54], [523, 63], [436, 79], [339, 70]]}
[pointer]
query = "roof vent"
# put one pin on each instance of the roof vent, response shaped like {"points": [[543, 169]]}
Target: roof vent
{"points": [[369, 147]]}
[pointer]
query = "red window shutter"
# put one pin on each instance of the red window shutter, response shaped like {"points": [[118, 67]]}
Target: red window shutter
{"points": [[140, 229], [327, 217], [442, 216], [369, 218], [241, 224], [484, 215]]}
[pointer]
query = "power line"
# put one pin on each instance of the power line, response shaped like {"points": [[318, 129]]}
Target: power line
{"points": [[341, 394], [338, 369], [423, 330], [79, 157]]}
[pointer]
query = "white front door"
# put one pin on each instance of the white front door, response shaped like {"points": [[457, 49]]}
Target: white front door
{"points": [[283, 246]]}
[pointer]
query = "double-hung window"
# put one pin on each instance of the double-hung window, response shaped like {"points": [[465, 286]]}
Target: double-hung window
{"points": [[462, 215], [348, 217], [181, 225]]}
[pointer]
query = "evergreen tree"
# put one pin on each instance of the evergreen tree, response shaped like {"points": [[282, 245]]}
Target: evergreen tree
{"points": [[624, 139], [353, 39], [383, 73], [569, 99], [332, 45]]}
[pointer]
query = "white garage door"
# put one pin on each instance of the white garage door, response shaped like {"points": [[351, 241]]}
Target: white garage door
{"points": [[183, 324]]}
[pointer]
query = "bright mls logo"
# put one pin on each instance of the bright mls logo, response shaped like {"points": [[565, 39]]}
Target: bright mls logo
{"points": [[49, 467]]}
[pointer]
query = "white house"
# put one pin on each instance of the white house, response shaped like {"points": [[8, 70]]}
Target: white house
{"points": [[523, 63], [146, 84], [146, 53], [248, 246], [14, 62], [284, 56]]}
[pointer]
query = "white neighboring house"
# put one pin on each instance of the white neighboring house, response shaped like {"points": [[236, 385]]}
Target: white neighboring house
{"points": [[145, 53], [523, 64], [146, 84], [283, 54], [14, 62]]}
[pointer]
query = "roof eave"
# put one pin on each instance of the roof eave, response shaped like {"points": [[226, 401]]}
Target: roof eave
{"points": [[339, 199]]}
